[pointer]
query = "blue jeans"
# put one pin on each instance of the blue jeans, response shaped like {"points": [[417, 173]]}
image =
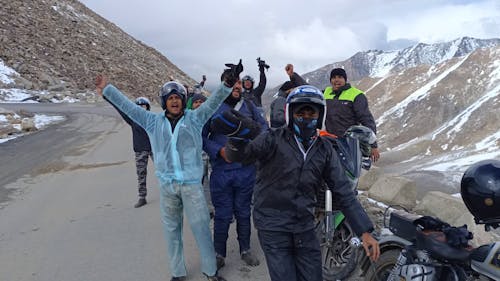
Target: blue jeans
{"points": [[174, 199]]}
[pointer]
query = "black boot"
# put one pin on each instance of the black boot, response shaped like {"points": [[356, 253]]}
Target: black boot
{"points": [[180, 278], [220, 261], [249, 258], [140, 203]]}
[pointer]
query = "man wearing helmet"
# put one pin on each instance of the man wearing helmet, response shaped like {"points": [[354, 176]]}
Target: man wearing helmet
{"points": [[142, 149], [284, 202], [255, 95], [176, 141], [347, 106], [231, 184]]}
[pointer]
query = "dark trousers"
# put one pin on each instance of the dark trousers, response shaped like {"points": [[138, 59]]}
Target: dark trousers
{"points": [[292, 256], [141, 165], [231, 192]]}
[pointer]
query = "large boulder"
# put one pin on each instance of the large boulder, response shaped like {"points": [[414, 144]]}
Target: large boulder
{"points": [[393, 190], [368, 178], [442, 205], [452, 210]]}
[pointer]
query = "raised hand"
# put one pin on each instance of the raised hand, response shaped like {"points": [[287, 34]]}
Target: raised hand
{"points": [[289, 69], [100, 82], [232, 73]]}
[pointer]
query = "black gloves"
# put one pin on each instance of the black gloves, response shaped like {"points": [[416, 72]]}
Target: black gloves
{"points": [[458, 237], [232, 74], [235, 149], [262, 64], [233, 124]]}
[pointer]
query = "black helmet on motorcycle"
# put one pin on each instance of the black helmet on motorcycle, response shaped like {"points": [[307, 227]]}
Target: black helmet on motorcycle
{"points": [[480, 190], [169, 89], [365, 136], [305, 94], [143, 101]]}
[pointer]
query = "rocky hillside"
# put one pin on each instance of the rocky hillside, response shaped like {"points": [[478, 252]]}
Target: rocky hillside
{"points": [[60, 45]]}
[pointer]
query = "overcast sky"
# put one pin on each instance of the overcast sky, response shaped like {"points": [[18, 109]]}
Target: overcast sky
{"points": [[200, 36]]}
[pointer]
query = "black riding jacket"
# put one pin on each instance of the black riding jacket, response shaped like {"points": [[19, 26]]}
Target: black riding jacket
{"points": [[139, 136], [288, 179]]}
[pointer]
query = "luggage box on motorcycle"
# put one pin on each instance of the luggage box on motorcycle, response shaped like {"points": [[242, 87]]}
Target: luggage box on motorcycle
{"points": [[401, 224]]}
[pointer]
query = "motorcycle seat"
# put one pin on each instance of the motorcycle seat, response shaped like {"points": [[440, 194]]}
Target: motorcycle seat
{"points": [[434, 242]]}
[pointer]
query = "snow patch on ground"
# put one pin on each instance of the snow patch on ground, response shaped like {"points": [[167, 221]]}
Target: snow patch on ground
{"points": [[6, 73], [41, 121]]}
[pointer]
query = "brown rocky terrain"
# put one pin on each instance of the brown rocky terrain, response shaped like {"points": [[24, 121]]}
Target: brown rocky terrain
{"points": [[60, 46]]}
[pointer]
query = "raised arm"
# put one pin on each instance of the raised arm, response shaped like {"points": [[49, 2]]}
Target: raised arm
{"points": [[230, 76], [123, 115], [140, 116]]}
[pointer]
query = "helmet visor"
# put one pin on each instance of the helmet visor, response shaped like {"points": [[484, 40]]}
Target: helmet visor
{"points": [[173, 88]]}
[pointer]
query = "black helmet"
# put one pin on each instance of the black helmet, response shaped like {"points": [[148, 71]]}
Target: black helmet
{"points": [[170, 88], [143, 101], [305, 94], [480, 190]]}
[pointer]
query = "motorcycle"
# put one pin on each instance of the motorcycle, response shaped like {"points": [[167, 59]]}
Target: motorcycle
{"points": [[411, 251], [338, 242]]}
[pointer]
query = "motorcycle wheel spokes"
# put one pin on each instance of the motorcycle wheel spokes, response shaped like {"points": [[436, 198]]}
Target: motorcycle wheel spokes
{"points": [[339, 258]]}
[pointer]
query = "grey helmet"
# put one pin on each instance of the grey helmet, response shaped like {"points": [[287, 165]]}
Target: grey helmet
{"points": [[171, 88]]}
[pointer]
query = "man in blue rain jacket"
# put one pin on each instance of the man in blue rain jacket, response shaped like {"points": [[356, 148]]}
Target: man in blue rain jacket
{"points": [[175, 137]]}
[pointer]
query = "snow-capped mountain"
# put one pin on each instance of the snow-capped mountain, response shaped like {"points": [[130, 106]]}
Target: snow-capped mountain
{"points": [[436, 106], [376, 63]]}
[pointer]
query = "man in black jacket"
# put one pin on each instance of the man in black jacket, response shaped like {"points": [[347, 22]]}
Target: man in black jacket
{"points": [[347, 106], [142, 149], [284, 195]]}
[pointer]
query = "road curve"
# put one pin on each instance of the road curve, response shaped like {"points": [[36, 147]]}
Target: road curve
{"points": [[28, 154]]}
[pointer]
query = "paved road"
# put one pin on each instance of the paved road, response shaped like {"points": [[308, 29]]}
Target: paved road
{"points": [[70, 214], [30, 154]]}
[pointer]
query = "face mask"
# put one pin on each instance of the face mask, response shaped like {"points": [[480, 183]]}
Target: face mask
{"points": [[305, 130]]}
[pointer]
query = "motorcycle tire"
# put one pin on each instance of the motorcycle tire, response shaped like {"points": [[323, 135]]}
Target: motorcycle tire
{"points": [[381, 269], [339, 259]]}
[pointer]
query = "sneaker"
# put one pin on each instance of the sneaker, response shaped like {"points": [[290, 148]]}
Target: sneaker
{"points": [[215, 278], [180, 278], [140, 203], [220, 261], [249, 258]]}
